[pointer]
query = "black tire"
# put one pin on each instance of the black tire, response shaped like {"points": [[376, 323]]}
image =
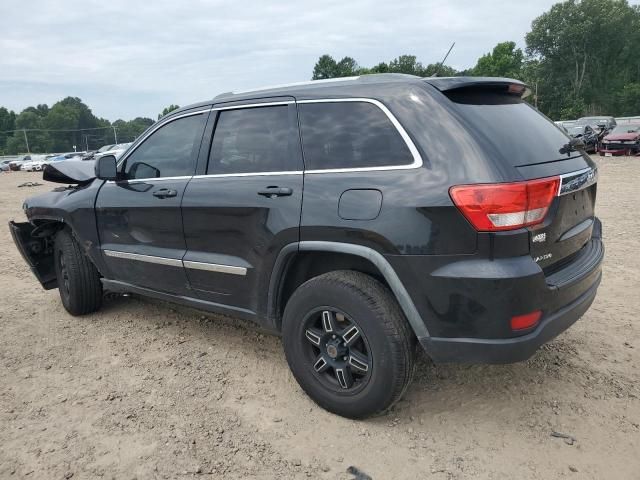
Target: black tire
{"points": [[383, 332], [78, 280]]}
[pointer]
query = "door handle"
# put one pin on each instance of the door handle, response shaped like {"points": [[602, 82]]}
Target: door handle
{"points": [[271, 192], [165, 193]]}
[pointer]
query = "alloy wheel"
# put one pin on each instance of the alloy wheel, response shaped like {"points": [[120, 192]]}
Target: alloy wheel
{"points": [[338, 352]]}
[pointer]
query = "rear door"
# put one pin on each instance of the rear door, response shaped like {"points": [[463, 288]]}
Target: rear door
{"points": [[139, 218], [245, 205]]}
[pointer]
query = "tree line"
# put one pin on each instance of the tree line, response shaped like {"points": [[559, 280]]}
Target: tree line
{"points": [[581, 58], [62, 126]]}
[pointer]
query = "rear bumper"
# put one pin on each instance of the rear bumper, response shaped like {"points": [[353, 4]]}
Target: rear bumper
{"points": [[476, 350], [467, 303], [619, 151]]}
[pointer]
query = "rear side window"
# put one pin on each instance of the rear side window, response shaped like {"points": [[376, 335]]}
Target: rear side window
{"points": [[252, 140], [350, 135], [509, 126]]}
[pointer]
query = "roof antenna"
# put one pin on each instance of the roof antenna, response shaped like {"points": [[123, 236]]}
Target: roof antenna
{"points": [[439, 65]]}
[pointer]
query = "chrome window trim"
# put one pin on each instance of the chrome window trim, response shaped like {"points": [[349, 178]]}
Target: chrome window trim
{"points": [[578, 180], [248, 174], [175, 262], [417, 158], [253, 105], [215, 267], [171, 262]]}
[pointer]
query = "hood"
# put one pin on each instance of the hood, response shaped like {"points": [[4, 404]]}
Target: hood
{"points": [[622, 136], [70, 171]]}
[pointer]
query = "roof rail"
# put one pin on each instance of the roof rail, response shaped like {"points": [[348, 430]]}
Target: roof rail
{"points": [[296, 84]]}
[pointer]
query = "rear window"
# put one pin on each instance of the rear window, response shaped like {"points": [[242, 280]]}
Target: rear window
{"points": [[350, 135], [508, 125]]}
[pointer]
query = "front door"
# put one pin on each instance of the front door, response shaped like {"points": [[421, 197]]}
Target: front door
{"points": [[138, 216], [246, 205]]}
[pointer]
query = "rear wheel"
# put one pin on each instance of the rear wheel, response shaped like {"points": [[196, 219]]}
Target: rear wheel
{"points": [[348, 343], [78, 280]]}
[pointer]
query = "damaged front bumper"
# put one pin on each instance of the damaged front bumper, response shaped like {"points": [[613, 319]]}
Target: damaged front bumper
{"points": [[35, 253]]}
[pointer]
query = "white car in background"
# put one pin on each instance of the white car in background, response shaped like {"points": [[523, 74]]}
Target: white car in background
{"points": [[117, 151], [36, 163]]}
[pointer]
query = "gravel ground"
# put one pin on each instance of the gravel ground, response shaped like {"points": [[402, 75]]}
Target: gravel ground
{"points": [[145, 389]]}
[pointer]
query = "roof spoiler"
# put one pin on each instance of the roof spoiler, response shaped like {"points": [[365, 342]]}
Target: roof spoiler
{"points": [[506, 85]]}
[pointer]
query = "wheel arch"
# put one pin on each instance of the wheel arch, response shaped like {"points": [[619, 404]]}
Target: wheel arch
{"points": [[300, 261]]}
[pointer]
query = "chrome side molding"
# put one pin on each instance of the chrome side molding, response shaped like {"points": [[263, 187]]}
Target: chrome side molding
{"points": [[214, 267], [175, 262]]}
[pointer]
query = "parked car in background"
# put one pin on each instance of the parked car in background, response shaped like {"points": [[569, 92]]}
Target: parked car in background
{"points": [[562, 127], [115, 150], [622, 140], [65, 156], [36, 163], [16, 164], [602, 123], [566, 124], [101, 150], [587, 134], [4, 166]]}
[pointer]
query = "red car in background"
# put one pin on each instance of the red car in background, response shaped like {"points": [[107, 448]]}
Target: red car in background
{"points": [[623, 140]]}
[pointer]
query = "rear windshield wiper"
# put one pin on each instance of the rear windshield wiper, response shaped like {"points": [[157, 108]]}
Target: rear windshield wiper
{"points": [[574, 144]]}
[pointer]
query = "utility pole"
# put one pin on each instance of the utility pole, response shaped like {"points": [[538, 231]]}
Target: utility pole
{"points": [[115, 135], [26, 140]]}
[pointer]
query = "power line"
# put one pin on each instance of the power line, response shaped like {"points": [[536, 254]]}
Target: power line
{"points": [[57, 130]]}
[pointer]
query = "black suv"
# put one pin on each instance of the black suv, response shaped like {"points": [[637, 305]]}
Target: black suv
{"points": [[355, 217]]}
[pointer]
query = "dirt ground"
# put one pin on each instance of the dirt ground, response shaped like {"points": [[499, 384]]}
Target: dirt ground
{"points": [[144, 389]]}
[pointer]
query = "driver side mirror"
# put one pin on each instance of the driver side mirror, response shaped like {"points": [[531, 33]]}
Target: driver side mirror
{"points": [[106, 168]]}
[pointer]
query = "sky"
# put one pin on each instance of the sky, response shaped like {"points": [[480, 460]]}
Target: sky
{"points": [[131, 58]]}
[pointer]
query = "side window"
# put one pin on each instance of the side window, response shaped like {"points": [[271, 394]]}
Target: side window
{"points": [[350, 135], [251, 140], [170, 151]]}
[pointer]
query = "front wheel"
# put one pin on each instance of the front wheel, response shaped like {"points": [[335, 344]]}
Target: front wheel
{"points": [[78, 279], [348, 344]]}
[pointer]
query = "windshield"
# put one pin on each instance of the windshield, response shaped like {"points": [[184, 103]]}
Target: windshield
{"points": [[576, 130], [621, 129]]}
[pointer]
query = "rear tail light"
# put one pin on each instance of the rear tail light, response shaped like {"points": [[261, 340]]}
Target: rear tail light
{"points": [[522, 322], [505, 206]]}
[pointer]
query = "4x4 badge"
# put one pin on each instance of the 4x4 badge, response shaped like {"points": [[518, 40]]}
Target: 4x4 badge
{"points": [[539, 238]]}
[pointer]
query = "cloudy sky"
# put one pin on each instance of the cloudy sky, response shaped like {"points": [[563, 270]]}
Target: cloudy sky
{"points": [[132, 58]]}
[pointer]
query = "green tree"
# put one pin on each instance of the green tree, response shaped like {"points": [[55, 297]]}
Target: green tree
{"points": [[129, 131], [406, 64], [39, 142], [505, 60], [327, 67], [7, 123], [587, 52], [167, 110], [628, 100]]}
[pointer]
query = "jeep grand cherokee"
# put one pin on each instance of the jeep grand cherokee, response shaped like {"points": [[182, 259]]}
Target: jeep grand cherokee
{"points": [[355, 217]]}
